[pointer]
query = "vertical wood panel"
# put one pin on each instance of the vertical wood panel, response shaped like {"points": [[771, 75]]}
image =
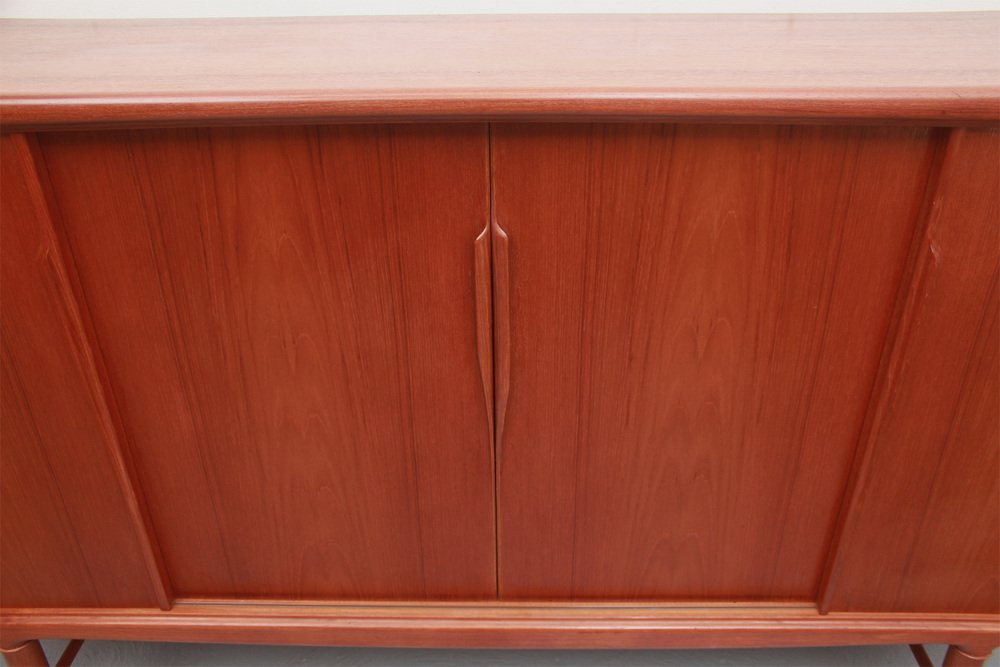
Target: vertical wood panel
{"points": [[72, 530], [922, 524], [289, 315], [697, 314]]}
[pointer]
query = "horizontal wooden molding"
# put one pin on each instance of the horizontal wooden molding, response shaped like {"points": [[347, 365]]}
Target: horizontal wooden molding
{"points": [[927, 68], [498, 625]]}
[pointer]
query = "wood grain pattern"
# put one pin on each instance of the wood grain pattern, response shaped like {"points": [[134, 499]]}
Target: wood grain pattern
{"points": [[697, 314], [929, 67], [501, 328], [484, 318], [72, 532], [927, 495], [289, 319], [502, 626]]}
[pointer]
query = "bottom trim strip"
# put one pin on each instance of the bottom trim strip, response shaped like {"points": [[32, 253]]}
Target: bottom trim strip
{"points": [[478, 625]]}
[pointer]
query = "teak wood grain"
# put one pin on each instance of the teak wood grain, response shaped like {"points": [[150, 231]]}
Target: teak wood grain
{"points": [[927, 495], [696, 318], [72, 533], [884, 67], [494, 625], [289, 321], [294, 372]]}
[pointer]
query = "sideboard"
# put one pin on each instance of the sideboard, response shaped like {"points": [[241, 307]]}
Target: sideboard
{"points": [[512, 331]]}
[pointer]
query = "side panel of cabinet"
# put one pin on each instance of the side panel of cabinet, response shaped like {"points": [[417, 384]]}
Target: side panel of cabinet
{"points": [[696, 318], [289, 320], [69, 538], [922, 526]]}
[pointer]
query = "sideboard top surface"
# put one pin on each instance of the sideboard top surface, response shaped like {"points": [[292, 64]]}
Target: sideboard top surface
{"points": [[934, 68]]}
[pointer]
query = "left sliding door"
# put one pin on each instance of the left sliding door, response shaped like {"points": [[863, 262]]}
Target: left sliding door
{"points": [[287, 323]]}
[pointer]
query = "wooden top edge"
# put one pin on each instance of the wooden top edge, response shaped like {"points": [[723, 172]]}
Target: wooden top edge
{"points": [[521, 19], [926, 68], [981, 108]]}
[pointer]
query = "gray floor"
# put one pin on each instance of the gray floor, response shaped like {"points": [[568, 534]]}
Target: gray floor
{"points": [[210, 655]]}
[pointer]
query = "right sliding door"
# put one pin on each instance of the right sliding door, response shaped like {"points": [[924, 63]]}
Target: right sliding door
{"points": [[690, 324]]}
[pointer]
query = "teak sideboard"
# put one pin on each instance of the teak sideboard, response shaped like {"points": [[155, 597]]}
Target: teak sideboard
{"points": [[553, 331]]}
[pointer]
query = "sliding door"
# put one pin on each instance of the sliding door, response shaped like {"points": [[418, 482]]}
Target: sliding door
{"points": [[288, 317], [693, 317]]}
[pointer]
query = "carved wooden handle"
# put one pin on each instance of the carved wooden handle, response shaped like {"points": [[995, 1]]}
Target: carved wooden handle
{"points": [[501, 330], [484, 321]]}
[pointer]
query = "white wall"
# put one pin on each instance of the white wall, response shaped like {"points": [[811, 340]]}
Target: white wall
{"points": [[210, 8]]}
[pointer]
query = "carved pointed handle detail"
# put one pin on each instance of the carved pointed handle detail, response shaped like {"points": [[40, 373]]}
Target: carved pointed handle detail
{"points": [[484, 320], [501, 330]]}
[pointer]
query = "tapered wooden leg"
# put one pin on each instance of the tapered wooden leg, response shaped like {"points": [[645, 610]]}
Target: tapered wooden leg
{"points": [[28, 654], [69, 653], [920, 655], [966, 656]]}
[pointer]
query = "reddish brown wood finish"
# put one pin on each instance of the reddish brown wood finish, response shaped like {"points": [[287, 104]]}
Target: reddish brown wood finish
{"points": [[712, 361], [28, 654], [484, 319], [501, 626], [289, 320], [928, 67], [696, 317], [73, 533], [966, 656], [69, 653], [920, 655], [501, 328], [921, 528]]}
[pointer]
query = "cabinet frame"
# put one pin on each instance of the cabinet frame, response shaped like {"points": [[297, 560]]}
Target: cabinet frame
{"points": [[133, 85]]}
